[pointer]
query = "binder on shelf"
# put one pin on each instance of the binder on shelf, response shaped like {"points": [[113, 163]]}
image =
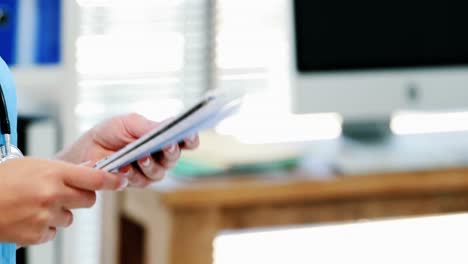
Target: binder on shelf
{"points": [[48, 40], [8, 30], [31, 31]]}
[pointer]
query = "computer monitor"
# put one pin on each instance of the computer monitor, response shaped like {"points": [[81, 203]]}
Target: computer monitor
{"points": [[367, 59]]}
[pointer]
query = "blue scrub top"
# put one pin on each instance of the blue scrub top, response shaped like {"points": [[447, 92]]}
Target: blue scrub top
{"points": [[8, 251]]}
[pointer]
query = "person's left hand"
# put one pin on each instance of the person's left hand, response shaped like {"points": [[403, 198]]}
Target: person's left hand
{"points": [[115, 133]]}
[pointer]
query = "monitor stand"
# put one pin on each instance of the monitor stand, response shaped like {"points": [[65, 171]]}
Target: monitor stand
{"points": [[371, 132]]}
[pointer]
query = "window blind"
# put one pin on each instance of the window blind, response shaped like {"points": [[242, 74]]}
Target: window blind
{"points": [[253, 53], [146, 56]]}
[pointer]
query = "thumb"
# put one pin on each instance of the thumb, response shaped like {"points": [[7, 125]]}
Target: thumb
{"points": [[137, 125], [118, 131], [91, 179], [87, 163]]}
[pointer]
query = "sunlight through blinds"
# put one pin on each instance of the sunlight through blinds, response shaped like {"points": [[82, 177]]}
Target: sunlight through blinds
{"points": [[146, 56]]}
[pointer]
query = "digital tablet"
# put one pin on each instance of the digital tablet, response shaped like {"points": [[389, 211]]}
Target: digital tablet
{"points": [[206, 113]]}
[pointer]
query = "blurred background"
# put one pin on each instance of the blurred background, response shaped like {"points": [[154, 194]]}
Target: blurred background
{"points": [[331, 88]]}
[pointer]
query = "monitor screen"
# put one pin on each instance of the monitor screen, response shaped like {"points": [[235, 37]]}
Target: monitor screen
{"points": [[339, 35]]}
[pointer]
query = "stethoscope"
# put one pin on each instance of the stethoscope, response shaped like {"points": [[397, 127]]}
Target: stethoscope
{"points": [[7, 151]]}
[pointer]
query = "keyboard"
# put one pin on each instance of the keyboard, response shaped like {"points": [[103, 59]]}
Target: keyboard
{"points": [[398, 153]]}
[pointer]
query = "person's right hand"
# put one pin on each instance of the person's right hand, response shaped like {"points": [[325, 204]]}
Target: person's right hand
{"points": [[36, 197]]}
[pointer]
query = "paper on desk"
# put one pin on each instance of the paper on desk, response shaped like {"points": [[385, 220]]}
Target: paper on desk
{"points": [[215, 108]]}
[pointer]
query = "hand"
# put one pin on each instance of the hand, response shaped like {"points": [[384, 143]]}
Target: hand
{"points": [[117, 132], [36, 197]]}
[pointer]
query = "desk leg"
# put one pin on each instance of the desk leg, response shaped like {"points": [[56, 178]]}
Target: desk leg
{"points": [[110, 227], [193, 233], [158, 237], [144, 208]]}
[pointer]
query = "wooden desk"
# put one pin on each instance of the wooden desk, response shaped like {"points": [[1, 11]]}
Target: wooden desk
{"points": [[181, 220]]}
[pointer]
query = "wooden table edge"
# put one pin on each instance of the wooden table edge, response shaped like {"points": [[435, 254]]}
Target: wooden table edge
{"points": [[261, 190]]}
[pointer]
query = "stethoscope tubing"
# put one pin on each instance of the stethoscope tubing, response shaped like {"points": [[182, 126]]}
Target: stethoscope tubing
{"points": [[7, 150]]}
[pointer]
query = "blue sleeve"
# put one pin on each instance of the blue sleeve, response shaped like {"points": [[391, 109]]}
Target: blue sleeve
{"points": [[8, 251], [9, 90]]}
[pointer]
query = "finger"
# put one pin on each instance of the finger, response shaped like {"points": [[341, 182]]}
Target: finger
{"points": [[62, 218], [137, 125], [87, 163], [77, 198], [135, 177], [91, 179], [151, 169], [48, 235], [191, 142], [169, 156]]}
